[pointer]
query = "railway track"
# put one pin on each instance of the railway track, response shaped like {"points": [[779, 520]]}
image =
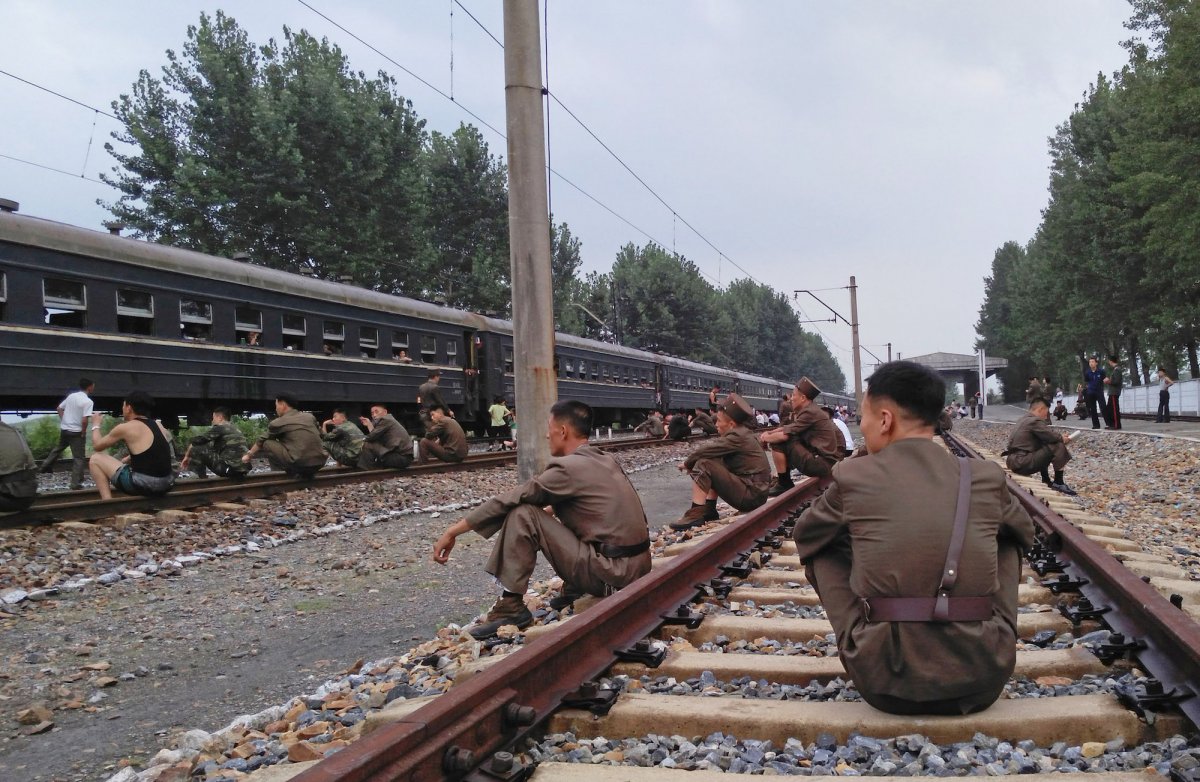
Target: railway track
{"points": [[86, 505], [728, 615]]}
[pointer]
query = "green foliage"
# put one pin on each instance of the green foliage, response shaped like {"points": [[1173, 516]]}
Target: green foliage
{"points": [[41, 434], [1115, 264]]}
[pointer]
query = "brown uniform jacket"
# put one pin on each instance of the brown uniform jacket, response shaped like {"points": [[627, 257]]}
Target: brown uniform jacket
{"points": [[704, 422], [430, 395], [449, 435], [812, 427], [1030, 435], [590, 494], [896, 510], [739, 450], [652, 426], [298, 433], [391, 435]]}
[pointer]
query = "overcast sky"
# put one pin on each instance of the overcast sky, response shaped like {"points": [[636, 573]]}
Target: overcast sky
{"points": [[901, 142]]}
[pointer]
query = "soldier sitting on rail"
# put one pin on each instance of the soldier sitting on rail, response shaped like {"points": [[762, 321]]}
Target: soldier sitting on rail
{"points": [[18, 471], [342, 438], [445, 439], [1033, 447], [292, 441], [703, 420], [597, 539], [147, 470], [918, 631], [678, 428], [653, 425], [731, 467], [388, 443], [220, 449], [807, 441]]}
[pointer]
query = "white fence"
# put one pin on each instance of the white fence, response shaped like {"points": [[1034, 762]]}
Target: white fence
{"points": [[1185, 398]]}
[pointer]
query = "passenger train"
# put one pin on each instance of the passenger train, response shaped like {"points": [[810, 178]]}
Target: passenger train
{"points": [[197, 331]]}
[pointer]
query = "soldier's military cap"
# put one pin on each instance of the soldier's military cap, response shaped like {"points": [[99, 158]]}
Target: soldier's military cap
{"points": [[808, 388], [736, 408]]}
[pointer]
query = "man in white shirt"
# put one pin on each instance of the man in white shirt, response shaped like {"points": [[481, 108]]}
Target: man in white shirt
{"points": [[73, 411], [847, 438]]}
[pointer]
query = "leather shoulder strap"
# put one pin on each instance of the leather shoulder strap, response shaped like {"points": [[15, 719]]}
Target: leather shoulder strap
{"points": [[950, 570]]}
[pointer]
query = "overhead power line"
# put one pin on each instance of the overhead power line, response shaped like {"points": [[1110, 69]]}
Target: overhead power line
{"points": [[59, 95], [52, 168]]}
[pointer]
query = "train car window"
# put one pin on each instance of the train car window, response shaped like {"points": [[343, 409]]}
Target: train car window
{"points": [[595, 370], [569, 364], [333, 335], [3, 293], [294, 329], [452, 352], [64, 303], [508, 358], [368, 341], [428, 349], [135, 312], [195, 320], [248, 325]]}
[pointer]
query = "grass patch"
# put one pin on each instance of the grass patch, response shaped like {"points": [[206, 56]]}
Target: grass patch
{"points": [[314, 604]]}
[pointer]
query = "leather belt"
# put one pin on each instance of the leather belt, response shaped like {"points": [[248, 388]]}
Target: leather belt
{"points": [[927, 609], [620, 552]]}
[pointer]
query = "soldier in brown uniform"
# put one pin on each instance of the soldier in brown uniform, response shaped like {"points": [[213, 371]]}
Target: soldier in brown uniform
{"points": [[808, 441], [704, 421], [429, 395], [917, 634], [731, 467], [292, 441], [445, 439], [1034, 447], [653, 425], [387, 443], [597, 539]]}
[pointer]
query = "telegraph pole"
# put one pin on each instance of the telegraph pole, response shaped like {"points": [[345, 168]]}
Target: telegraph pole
{"points": [[528, 234], [855, 346]]}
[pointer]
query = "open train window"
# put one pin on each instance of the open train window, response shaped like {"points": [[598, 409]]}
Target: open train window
{"points": [[595, 370], [400, 346], [428, 349], [569, 364], [248, 323], [452, 352], [64, 303], [508, 358], [195, 320], [334, 335], [368, 341], [135, 312], [294, 329]]}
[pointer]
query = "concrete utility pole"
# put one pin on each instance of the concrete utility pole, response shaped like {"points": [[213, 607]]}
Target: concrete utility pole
{"points": [[528, 234], [858, 394]]}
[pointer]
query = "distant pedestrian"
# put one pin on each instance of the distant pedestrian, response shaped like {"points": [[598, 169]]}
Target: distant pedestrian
{"points": [[1093, 381], [445, 439], [220, 449], [1114, 381], [18, 471], [498, 427], [147, 470], [980, 402], [292, 442], [1164, 398], [73, 412], [388, 444], [342, 438], [974, 402]]}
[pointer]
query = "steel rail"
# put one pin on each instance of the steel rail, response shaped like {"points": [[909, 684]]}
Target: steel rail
{"points": [[1171, 638], [86, 505], [445, 738]]}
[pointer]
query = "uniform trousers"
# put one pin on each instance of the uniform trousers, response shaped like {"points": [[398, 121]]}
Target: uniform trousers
{"points": [[1030, 462], [713, 475], [373, 457], [279, 458], [1164, 407], [528, 529], [74, 441], [829, 574], [1113, 419], [439, 451], [804, 460]]}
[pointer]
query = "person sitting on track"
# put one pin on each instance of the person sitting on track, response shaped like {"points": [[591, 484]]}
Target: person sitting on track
{"points": [[147, 469], [220, 449], [597, 539], [388, 444], [342, 438], [292, 441], [843, 430], [1033, 447], [445, 439], [18, 471], [918, 631], [653, 425], [703, 420], [678, 428], [731, 467], [807, 441]]}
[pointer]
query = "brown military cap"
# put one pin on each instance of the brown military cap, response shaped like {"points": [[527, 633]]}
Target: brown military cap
{"points": [[736, 408], [808, 388]]}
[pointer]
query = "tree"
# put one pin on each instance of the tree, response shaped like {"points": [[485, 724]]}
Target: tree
{"points": [[566, 256]]}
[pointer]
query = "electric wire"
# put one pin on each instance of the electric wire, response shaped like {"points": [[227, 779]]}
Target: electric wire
{"points": [[59, 95], [476, 21], [52, 168]]}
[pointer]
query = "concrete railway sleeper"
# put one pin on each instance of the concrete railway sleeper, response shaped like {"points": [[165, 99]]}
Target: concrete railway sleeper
{"points": [[728, 619]]}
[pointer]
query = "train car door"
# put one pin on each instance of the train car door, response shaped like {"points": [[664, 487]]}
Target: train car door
{"points": [[662, 393], [471, 381]]}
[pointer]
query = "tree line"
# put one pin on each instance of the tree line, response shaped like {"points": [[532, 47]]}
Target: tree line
{"points": [[1114, 266], [284, 153]]}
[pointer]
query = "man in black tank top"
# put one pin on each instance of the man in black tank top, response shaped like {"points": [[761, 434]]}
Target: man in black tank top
{"points": [[147, 470]]}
